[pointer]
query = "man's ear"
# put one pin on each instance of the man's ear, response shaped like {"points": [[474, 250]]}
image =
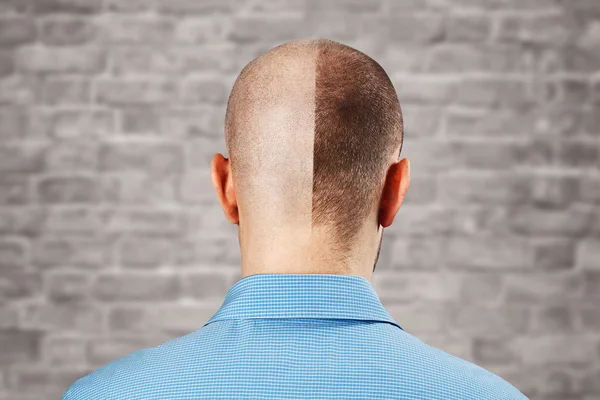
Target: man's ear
{"points": [[221, 178], [395, 187]]}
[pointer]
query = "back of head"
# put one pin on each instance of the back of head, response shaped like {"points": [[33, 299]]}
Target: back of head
{"points": [[311, 128]]}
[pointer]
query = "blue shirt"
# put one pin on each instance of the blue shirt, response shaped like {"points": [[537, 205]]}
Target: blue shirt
{"points": [[294, 336]]}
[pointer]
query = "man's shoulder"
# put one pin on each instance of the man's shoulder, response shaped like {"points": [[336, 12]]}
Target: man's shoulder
{"points": [[137, 370], [458, 378]]}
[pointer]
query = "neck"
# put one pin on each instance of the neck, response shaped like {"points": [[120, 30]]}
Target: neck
{"points": [[305, 251]]}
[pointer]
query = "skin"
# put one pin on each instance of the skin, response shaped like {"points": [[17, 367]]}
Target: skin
{"points": [[273, 208]]}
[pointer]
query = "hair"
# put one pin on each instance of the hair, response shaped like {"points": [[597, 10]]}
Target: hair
{"points": [[358, 126]]}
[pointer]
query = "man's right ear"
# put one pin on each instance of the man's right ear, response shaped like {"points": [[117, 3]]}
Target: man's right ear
{"points": [[221, 178]]}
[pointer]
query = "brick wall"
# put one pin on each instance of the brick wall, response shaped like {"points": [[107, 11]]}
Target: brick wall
{"points": [[111, 238]]}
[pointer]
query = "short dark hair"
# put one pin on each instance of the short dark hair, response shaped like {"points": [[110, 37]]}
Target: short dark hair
{"points": [[358, 126]]}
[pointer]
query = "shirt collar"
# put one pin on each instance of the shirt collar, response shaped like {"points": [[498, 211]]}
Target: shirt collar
{"points": [[328, 296]]}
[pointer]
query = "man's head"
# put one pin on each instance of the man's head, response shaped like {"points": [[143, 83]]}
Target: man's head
{"points": [[314, 131]]}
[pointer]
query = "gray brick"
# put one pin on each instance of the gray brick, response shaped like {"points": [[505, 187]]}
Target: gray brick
{"points": [[249, 30], [574, 91], [14, 189], [85, 60], [79, 220], [555, 254], [207, 252], [557, 191], [16, 123], [26, 221], [493, 352], [578, 153], [62, 286], [479, 219], [17, 30], [67, 6], [138, 188], [558, 288], [21, 158], [556, 319], [493, 92], [66, 91], [201, 30], [422, 220], [187, 7], [209, 222], [415, 28], [588, 317], [201, 150], [159, 159], [67, 31], [574, 221], [554, 30], [489, 322], [483, 189], [556, 349], [123, 92], [419, 319], [150, 222], [19, 346], [468, 28], [136, 286], [425, 91], [416, 253], [592, 284], [7, 63], [126, 29], [71, 155], [204, 285], [204, 92], [140, 120], [481, 288], [469, 58], [178, 319], [68, 189], [19, 90], [13, 253], [591, 381], [85, 253], [18, 283], [420, 121], [423, 190], [15, 6], [77, 317], [410, 286], [497, 123], [188, 123], [75, 123], [489, 252], [196, 186], [64, 351], [9, 318], [353, 6], [145, 252], [588, 253]]}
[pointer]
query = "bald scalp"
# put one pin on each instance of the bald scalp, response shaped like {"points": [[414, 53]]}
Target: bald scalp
{"points": [[310, 128]]}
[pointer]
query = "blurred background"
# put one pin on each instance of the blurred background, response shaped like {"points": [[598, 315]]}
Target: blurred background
{"points": [[112, 240]]}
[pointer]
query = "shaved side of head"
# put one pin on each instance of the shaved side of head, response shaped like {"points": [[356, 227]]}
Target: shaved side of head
{"points": [[310, 129]]}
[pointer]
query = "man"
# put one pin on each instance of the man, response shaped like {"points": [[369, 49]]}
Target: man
{"points": [[314, 131]]}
